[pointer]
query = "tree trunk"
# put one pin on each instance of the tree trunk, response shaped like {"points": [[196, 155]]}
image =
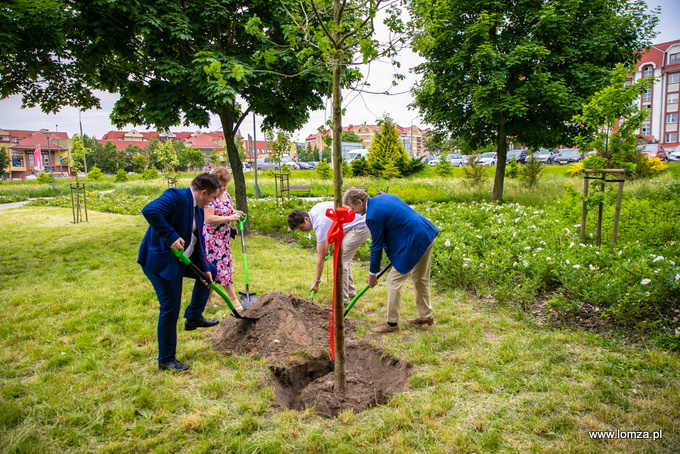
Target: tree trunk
{"points": [[502, 153], [336, 61], [227, 119]]}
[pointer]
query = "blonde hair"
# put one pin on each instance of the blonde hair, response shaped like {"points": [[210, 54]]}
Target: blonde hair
{"points": [[223, 174]]}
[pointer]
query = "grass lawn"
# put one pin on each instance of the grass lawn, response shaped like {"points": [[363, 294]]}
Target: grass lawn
{"points": [[78, 369]]}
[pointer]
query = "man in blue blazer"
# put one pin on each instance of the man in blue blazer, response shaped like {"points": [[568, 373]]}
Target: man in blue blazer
{"points": [[176, 222], [407, 238]]}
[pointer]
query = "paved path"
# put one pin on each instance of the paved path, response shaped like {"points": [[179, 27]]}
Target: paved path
{"points": [[4, 206]]}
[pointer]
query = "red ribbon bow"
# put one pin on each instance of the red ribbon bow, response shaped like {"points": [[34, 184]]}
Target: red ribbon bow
{"points": [[336, 234]]}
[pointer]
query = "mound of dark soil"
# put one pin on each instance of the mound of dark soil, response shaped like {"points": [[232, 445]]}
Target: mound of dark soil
{"points": [[292, 334], [288, 325]]}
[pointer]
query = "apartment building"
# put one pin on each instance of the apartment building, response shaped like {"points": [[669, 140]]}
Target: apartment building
{"points": [[411, 137], [661, 61]]}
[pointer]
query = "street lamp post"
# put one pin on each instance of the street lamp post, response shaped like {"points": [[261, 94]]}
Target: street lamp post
{"points": [[49, 157]]}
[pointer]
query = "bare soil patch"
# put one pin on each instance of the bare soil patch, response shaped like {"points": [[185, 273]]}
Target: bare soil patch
{"points": [[292, 334]]}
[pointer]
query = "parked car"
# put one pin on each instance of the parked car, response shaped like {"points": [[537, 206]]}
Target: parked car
{"points": [[653, 150], [304, 166], [674, 155], [246, 167], [457, 160], [568, 156], [312, 164], [518, 155], [430, 160], [268, 162], [435, 160], [489, 158], [30, 177], [545, 156]]}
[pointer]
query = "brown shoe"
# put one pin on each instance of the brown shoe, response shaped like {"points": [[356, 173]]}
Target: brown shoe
{"points": [[420, 321], [384, 328]]}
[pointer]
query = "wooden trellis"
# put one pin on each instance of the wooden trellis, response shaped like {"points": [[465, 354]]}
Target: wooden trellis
{"points": [[76, 206], [604, 172]]}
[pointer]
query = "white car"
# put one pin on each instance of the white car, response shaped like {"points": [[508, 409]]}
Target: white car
{"points": [[30, 177], [488, 159], [434, 160], [674, 155], [457, 160]]}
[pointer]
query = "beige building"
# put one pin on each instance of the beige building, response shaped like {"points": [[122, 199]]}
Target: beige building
{"points": [[411, 137]]}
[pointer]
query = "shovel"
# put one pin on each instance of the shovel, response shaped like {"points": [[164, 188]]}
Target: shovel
{"points": [[247, 298], [180, 255], [366, 287], [313, 292]]}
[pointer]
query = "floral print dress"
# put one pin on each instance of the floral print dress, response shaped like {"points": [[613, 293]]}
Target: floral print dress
{"points": [[217, 240]]}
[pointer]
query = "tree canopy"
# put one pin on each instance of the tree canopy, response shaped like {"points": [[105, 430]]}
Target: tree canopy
{"points": [[350, 136], [610, 120], [502, 68], [172, 62]]}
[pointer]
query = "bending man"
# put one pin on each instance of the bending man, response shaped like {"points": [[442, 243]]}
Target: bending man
{"points": [[316, 220], [407, 238]]}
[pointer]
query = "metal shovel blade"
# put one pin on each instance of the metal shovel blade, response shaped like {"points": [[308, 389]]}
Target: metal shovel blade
{"points": [[180, 255], [247, 299]]}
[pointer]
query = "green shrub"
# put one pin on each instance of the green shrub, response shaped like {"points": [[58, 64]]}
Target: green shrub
{"points": [[648, 167], [43, 178], [150, 173], [531, 171], [360, 167], [443, 167], [512, 169], [408, 167], [346, 169], [323, 169], [121, 176], [95, 174], [376, 168], [474, 172]]}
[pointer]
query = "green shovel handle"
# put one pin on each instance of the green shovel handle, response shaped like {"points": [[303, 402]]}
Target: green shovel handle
{"points": [[180, 255], [243, 247], [240, 223], [356, 297]]}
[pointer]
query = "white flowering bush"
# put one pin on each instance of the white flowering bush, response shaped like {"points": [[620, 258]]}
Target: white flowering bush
{"points": [[512, 251]]}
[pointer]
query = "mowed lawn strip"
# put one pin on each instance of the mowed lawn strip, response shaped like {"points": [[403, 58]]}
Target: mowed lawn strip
{"points": [[78, 368]]}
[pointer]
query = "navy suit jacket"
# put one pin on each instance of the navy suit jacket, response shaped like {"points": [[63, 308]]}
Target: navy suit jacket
{"points": [[400, 230], [170, 217]]}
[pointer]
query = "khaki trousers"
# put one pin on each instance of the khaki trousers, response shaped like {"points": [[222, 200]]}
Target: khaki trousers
{"points": [[354, 238], [420, 274]]}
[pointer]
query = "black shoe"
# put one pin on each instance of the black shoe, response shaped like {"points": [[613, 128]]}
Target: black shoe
{"points": [[190, 325], [173, 365]]}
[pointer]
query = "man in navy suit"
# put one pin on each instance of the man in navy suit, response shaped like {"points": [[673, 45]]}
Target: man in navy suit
{"points": [[407, 238], [176, 222]]}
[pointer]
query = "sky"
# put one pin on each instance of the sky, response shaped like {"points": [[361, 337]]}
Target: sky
{"points": [[360, 107]]}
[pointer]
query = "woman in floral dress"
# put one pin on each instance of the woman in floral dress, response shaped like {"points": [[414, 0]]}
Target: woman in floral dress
{"points": [[218, 215]]}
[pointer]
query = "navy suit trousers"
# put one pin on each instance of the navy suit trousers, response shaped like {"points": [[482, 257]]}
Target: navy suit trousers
{"points": [[169, 294]]}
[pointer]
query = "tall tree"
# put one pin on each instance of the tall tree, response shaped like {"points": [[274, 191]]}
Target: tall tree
{"points": [[4, 161], [174, 62], [499, 68], [386, 146], [339, 30], [350, 136]]}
